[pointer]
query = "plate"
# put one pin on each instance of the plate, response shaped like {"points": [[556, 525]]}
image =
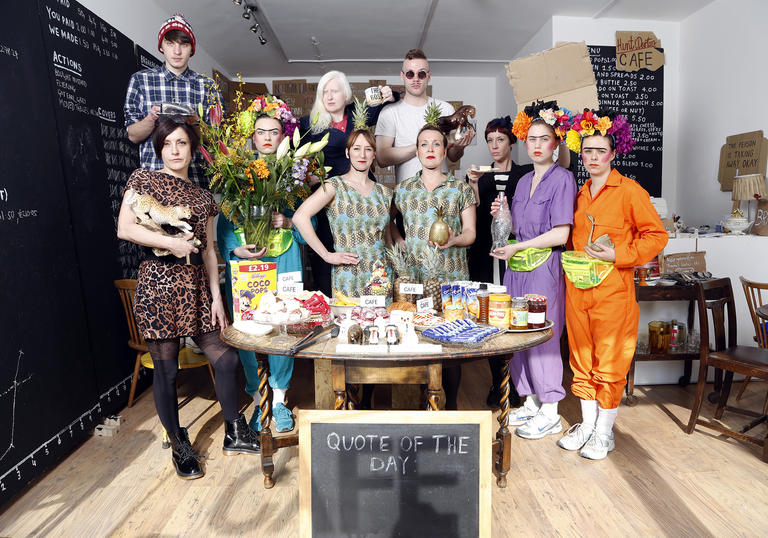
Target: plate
{"points": [[287, 323], [252, 327], [665, 282], [548, 325]]}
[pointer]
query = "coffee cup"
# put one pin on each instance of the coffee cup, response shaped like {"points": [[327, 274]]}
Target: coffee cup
{"points": [[373, 96]]}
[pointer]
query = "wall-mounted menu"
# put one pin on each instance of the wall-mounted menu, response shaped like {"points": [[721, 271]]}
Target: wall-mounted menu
{"points": [[639, 96]]}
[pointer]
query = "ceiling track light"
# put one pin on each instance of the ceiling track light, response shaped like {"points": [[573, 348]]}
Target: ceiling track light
{"points": [[247, 13], [255, 27], [262, 40], [237, 2]]}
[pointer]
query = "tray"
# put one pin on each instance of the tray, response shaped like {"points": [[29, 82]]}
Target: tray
{"points": [[547, 325]]}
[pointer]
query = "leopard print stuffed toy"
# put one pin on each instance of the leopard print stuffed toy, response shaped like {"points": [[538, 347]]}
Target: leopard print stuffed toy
{"points": [[151, 214]]}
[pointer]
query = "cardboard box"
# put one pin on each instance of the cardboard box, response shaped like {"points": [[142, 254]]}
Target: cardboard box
{"points": [[250, 281], [745, 152], [638, 50], [563, 73]]}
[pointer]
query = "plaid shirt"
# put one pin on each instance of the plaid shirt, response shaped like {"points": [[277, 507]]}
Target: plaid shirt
{"points": [[154, 86]]}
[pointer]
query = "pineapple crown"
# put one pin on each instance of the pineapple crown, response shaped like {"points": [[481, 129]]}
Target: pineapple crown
{"points": [[360, 116], [432, 114], [433, 263], [398, 260]]}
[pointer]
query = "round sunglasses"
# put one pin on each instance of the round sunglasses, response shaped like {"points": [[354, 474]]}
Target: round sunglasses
{"points": [[410, 74]]}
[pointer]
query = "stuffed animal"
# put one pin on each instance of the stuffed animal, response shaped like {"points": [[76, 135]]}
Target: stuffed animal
{"points": [[152, 215]]}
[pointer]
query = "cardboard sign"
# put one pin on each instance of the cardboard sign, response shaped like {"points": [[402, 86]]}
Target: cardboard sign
{"points": [[563, 73], [745, 153], [685, 262], [638, 50], [250, 280]]}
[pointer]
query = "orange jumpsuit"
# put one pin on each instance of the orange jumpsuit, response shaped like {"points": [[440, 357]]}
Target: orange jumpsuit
{"points": [[602, 321]]}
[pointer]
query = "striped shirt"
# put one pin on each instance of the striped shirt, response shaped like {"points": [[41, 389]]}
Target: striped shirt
{"points": [[157, 85]]}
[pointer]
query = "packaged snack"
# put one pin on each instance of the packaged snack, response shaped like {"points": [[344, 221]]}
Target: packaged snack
{"points": [[250, 281]]}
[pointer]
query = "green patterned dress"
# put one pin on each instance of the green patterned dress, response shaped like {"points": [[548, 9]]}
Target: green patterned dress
{"points": [[358, 223], [419, 209]]}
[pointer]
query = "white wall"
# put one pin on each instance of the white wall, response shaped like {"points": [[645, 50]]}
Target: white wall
{"points": [[140, 20], [603, 32], [723, 92]]}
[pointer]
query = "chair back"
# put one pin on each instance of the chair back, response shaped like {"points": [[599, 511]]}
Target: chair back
{"points": [[757, 295], [714, 296], [127, 289]]}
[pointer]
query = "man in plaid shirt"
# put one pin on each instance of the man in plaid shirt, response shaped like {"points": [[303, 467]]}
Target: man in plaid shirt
{"points": [[172, 82]]}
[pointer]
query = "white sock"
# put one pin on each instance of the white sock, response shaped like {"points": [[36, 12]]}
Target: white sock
{"points": [[532, 402], [549, 409], [278, 396], [605, 420], [588, 414]]}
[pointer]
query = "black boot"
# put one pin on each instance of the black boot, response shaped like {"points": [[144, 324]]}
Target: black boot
{"points": [[184, 456], [239, 438]]}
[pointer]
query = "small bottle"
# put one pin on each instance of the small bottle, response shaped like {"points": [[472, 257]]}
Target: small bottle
{"points": [[482, 298]]}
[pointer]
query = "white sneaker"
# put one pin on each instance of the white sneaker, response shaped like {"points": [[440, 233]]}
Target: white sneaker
{"points": [[598, 446], [520, 415], [576, 437], [539, 426]]}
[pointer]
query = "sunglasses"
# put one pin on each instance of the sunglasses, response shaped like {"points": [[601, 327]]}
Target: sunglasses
{"points": [[410, 74]]}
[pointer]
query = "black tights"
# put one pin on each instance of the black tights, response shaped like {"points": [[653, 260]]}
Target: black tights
{"points": [[165, 356]]}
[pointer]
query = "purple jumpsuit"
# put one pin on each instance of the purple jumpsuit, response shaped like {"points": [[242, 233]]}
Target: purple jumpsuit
{"points": [[539, 370]]}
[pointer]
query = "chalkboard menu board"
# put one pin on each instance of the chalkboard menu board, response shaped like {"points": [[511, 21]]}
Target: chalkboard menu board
{"points": [[639, 96], [428, 475]]}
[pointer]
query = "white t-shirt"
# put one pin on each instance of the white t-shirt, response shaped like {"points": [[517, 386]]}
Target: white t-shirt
{"points": [[403, 121]]}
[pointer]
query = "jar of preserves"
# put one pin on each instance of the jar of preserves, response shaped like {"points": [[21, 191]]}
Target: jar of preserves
{"points": [[537, 310], [518, 314], [498, 310]]}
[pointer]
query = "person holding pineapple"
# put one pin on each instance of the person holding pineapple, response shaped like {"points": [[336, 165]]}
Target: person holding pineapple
{"points": [[432, 197], [283, 250], [542, 214]]}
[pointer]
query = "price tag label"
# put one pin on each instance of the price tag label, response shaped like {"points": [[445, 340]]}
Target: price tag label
{"points": [[423, 305], [292, 276], [412, 289], [372, 300], [290, 287]]}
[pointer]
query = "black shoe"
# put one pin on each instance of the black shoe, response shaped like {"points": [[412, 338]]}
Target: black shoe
{"points": [[184, 456], [239, 438]]}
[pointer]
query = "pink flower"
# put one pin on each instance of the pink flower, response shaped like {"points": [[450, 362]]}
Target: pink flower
{"points": [[223, 148], [206, 155], [215, 115]]}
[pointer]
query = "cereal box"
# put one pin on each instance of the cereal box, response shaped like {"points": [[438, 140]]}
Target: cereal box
{"points": [[250, 280]]}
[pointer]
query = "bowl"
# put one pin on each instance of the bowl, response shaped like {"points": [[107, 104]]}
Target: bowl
{"points": [[339, 309], [665, 282]]}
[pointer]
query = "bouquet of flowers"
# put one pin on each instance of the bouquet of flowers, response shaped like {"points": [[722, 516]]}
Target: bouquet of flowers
{"points": [[252, 186]]}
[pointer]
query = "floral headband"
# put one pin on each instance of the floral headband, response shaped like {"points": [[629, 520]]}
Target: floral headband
{"points": [[558, 118], [603, 122], [267, 105]]}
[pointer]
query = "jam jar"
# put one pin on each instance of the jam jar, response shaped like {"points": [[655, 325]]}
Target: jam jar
{"points": [[537, 310], [518, 314]]}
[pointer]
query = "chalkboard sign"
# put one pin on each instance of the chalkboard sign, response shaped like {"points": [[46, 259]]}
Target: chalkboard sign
{"points": [[639, 96], [394, 473]]}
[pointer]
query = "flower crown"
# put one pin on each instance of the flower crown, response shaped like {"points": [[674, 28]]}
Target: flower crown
{"points": [[558, 118], [603, 122], [267, 105]]}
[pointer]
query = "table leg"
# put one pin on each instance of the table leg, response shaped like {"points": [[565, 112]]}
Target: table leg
{"points": [[353, 402], [265, 405], [339, 383], [434, 384], [504, 455], [630, 388]]}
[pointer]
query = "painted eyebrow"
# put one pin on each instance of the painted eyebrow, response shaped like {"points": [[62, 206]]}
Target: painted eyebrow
{"points": [[591, 147]]}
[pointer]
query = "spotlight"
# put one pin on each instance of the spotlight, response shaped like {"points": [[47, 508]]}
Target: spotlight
{"points": [[255, 28], [237, 2], [262, 40], [247, 13]]}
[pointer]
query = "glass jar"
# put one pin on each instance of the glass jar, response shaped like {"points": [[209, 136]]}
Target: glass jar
{"points": [[518, 314], [537, 310], [498, 310]]}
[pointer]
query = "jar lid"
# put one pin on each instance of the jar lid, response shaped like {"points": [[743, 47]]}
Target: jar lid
{"points": [[499, 297], [520, 299], [536, 298]]}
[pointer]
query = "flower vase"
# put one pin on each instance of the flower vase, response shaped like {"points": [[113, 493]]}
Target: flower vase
{"points": [[258, 226]]}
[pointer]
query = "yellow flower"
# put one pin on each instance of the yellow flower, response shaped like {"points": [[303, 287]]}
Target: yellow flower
{"points": [[603, 124], [573, 141], [261, 168]]}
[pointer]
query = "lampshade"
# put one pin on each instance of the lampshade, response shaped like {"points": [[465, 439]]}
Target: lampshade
{"points": [[747, 186]]}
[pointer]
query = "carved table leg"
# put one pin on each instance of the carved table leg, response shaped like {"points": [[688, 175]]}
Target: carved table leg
{"points": [[434, 384], [338, 381], [503, 457], [353, 402], [265, 405]]}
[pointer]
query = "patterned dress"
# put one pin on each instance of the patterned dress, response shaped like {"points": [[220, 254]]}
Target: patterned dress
{"points": [[358, 223], [174, 300], [419, 209]]}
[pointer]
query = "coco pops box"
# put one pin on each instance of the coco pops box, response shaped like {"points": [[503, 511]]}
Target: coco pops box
{"points": [[250, 281]]}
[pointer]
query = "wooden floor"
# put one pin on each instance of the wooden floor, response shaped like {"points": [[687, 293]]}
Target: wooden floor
{"points": [[659, 481]]}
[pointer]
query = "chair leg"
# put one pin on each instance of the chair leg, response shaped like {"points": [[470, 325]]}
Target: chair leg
{"points": [[724, 393], [742, 388], [714, 396], [699, 397], [135, 379]]}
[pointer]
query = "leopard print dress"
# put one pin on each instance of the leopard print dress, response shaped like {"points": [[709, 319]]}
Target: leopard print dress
{"points": [[174, 300]]}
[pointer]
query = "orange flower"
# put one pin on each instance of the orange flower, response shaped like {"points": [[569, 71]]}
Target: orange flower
{"points": [[603, 124], [521, 124], [587, 128], [261, 168]]}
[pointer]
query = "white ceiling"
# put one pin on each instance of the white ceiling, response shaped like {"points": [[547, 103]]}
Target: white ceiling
{"points": [[465, 37]]}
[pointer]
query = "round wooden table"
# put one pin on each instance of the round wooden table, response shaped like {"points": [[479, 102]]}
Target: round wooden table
{"points": [[762, 311], [383, 368]]}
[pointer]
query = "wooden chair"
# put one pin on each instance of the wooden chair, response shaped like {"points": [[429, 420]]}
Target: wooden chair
{"points": [[714, 296], [187, 357], [757, 295]]}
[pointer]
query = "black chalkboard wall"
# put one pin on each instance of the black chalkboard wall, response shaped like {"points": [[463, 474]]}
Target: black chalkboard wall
{"points": [[388, 479], [639, 96], [64, 362]]}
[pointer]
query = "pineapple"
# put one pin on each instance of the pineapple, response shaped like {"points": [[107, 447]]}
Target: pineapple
{"points": [[399, 263], [432, 114], [360, 116], [433, 271]]}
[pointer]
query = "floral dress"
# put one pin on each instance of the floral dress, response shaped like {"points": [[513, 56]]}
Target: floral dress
{"points": [[358, 223]]}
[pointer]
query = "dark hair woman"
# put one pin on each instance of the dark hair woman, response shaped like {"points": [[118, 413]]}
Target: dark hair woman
{"points": [[178, 294]]}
